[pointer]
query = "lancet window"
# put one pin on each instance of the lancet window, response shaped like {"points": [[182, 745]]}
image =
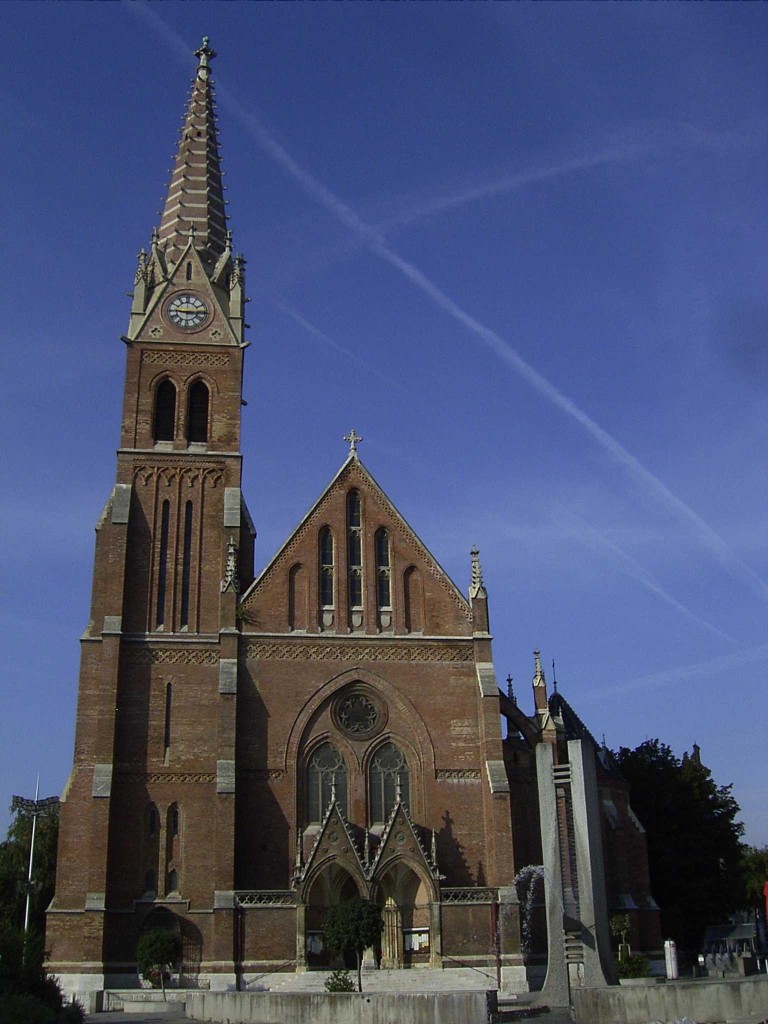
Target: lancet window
{"points": [[388, 775], [383, 581], [326, 568], [355, 550], [326, 775]]}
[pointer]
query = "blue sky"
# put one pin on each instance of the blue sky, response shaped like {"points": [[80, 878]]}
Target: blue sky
{"points": [[519, 247]]}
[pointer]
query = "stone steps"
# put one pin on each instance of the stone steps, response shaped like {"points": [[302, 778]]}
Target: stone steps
{"points": [[450, 979]]}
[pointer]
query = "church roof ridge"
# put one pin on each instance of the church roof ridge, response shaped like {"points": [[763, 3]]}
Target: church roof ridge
{"points": [[194, 205]]}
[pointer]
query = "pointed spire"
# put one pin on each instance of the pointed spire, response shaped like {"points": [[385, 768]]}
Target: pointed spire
{"points": [[194, 207], [538, 671], [477, 586]]}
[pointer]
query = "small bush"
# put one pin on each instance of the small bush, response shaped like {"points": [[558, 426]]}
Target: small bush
{"points": [[339, 981], [73, 1013], [634, 966], [22, 1009]]}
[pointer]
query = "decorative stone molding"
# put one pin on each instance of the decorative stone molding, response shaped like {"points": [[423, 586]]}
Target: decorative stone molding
{"points": [[473, 894], [185, 358], [171, 656], [262, 773], [265, 897], [168, 473], [286, 650], [171, 777], [95, 901], [458, 774]]}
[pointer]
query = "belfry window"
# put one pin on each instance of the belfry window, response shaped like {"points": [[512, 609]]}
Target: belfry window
{"points": [[388, 776], [326, 775], [326, 568], [354, 550], [197, 412], [383, 586], [165, 411]]}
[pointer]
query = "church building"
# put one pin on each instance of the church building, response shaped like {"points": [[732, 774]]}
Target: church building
{"points": [[253, 749]]}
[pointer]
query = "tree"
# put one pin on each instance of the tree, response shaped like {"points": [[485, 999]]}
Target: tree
{"points": [[694, 848], [156, 952], [353, 927], [14, 864], [754, 873]]}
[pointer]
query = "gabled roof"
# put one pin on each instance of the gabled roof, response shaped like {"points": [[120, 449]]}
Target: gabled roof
{"points": [[353, 471]]}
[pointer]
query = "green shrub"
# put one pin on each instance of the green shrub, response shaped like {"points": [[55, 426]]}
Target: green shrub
{"points": [[24, 1009], [634, 966], [339, 981], [73, 1013]]}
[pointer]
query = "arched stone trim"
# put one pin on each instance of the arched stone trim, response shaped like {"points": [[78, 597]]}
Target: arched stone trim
{"points": [[320, 866], [415, 864], [423, 757]]}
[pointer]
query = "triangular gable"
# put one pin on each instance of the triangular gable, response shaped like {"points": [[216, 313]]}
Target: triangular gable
{"points": [[334, 841], [152, 327], [354, 473], [400, 839]]}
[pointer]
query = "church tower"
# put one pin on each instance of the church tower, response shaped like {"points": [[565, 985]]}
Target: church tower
{"points": [[148, 812]]}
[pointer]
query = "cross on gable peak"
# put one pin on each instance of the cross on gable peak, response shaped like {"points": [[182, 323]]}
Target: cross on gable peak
{"points": [[353, 438]]}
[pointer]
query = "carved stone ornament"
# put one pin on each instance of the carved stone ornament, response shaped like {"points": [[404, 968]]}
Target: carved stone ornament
{"points": [[358, 714]]}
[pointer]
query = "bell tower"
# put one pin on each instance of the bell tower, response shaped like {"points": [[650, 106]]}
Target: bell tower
{"points": [[148, 811]]}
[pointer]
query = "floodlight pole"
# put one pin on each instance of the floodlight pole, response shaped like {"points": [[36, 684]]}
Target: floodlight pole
{"points": [[31, 856], [34, 808]]}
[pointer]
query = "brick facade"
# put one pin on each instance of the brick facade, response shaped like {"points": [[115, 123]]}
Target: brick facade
{"points": [[250, 751]]}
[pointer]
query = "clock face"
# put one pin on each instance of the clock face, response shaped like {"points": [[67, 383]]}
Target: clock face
{"points": [[187, 311]]}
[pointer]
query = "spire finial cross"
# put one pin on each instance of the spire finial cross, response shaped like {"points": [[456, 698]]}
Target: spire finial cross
{"points": [[204, 56], [353, 438]]}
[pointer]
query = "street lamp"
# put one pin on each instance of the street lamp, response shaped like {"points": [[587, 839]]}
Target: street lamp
{"points": [[34, 807]]}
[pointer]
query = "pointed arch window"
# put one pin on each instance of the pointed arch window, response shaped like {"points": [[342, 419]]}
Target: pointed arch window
{"points": [[152, 821], [355, 550], [186, 565], [383, 581], [326, 770], [150, 883], [326, 568], [165, 411], [387, 774], [197, 412], [173, 880]]}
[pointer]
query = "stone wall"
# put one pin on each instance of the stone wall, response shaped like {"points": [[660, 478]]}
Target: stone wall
{"points": [[706, 1002], [342, 1007]]}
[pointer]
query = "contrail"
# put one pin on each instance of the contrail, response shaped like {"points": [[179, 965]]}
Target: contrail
{"points": [[637, 571], [724, 666], [350, 356], [378, 244]]}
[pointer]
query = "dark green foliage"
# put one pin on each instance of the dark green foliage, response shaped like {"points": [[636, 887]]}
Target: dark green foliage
{"points": [[633, 966], [156, 952], [339, 981], [694, 849], [14, 864], [754, 874], [353, 927], [27, 994]]}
